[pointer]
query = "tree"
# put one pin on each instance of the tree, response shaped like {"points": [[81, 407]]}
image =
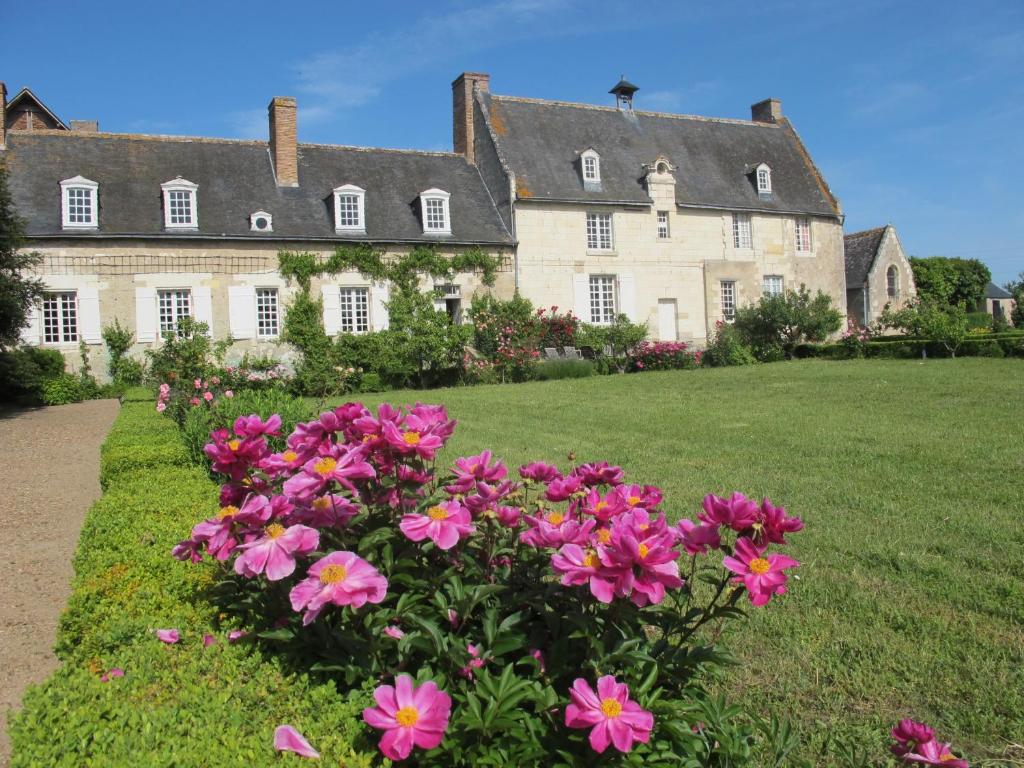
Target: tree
{"points": [[932, 320], [1016, 289], [950, 281], [18, 290], [785, 320]]}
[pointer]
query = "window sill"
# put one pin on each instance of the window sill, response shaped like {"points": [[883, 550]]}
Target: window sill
{"points": [[350, 230], [601, 252], [80, 227], [805, 254], [437, 233]]}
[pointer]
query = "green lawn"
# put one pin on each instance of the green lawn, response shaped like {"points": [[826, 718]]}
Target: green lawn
{"points": [[910, 478]]}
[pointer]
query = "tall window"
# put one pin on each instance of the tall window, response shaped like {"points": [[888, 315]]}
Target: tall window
{"points": [[892, 279], [803, 235], [602, 299], [436, 218], [663, 225], [764, 178], [79, 209], [180, 204], [599, 231], [729, 299], [60, 317], [355, 310], [741, 235], [591, 167], [772, 285], [267, 320], [173, 304], [349, 208]]}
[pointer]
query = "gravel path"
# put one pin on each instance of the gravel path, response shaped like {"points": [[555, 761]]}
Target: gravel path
{"points": [[51, 462]]}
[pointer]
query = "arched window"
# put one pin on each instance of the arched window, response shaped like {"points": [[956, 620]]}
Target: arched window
{"points": [[892, 277]]}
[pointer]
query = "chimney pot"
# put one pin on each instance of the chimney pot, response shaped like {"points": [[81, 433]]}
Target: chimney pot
{"points": [[767, 111], [87, 126], [284, 140], [462, 111]]}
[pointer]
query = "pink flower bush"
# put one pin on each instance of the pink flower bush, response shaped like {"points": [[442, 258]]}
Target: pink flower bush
{"points": [[762, 574], [410, 716], [444, 524], [340, 578], [610, 714]]}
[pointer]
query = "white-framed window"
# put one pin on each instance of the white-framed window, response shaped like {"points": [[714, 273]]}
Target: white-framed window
{"points": [[663, 225], [261, 221], [599, 231], [79, 203], [355, 310], [172, 305], [803, 234], [60, 317], [591, 167], [436, 212], [268, 323], [764, 179], [349, 208], [728, 289], [892, 281], [602, 299], [772, 285], [180, 208], [741, 231]]}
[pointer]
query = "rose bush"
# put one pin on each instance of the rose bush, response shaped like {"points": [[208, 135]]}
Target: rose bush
{"points": [[663, 356], [550, 619]]}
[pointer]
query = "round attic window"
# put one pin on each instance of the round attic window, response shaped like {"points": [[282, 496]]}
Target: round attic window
{"points": [[662, 167], [261, 221]]}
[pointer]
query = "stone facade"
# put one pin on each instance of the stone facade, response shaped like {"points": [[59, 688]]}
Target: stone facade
{"points": [[889, 281]]}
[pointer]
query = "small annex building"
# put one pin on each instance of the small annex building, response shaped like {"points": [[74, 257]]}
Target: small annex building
{"points": [[878, 274]]}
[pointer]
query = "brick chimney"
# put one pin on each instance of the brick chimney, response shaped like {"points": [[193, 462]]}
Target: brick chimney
{"points": [[85, 126], [284, 141], [3, 115], [767, 111], [462, 111]]}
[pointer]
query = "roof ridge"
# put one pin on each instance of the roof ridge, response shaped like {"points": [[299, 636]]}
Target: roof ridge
{"points": [[434, 153], [642, 112], [863, 232]]}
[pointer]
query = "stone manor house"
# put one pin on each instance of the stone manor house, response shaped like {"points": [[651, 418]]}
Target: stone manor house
{"points": [[674, 220]]}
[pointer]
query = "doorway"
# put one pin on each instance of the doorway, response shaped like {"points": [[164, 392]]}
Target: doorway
{"points": [[668, 329]]}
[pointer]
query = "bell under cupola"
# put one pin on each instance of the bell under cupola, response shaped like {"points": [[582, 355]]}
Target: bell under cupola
{"points": [[624, 91]]}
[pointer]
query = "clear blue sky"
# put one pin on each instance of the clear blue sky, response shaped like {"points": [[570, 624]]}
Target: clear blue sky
{"points": [[913, 110]]}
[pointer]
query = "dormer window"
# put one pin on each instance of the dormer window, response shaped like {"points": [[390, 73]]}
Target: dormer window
{"points": [[591, 167], [79, 209], [180, 204], [349, 209], [261, 221], [764, 179], [435, 211]]}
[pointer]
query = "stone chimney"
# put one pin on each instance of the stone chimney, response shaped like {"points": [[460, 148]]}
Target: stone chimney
{"points": [[284, 141], [85, 126], [3, 115], [767, 111], [462, 111]]}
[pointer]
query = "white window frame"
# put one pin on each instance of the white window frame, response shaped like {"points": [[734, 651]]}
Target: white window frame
{"points": [[192, 190], [175, 309], [586, 157], [728, 292], [602, 293], [91, 189], [64, 313], [435, 194], [261, 215], [600, 232], [773, 285], [742, 231], [802, 227], [664, 232], [763, 175], [350, 190], [268, 322], [349, 309]]}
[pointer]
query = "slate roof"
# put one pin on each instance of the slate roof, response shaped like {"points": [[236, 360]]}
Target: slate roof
{"points": [[993, 291], [236, 179], [861, 249], [540, 142]]}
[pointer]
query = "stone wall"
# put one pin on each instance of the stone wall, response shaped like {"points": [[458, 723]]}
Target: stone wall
{"points": [[890, 254]]}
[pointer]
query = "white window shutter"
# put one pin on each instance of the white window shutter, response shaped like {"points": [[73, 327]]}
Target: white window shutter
{"points": [[627, 296], [203, 309], [242, 311], [145, 315], [89, 315], [30, 334], [380, 294], [332, 308], [581, 297]]}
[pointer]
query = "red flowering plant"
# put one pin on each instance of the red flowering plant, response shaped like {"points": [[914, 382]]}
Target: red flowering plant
{"points": [[550, 618], [663, 356], [557, 331]]}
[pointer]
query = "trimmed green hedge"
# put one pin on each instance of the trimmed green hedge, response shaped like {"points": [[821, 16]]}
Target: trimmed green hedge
{"points": [[177, 705], [995, 345]]}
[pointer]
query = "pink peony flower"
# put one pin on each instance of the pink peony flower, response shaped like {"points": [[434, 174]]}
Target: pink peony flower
{"points": [[393, 631], [228, 394], [342, 465], [108, 676], [254, 426], [409, 715], [275, 551], [763, 576], [169, 636], [471, 469], [236, 634], [340, 578], [194, 401], [935, 753], [208, 640], [207, 396], [287, 739], [161, 407], [197, 384], [697, 538], [444, 524], [908, 734], [737, 512], [539, 472], [772, 525], [599, 473], [610, 714]]}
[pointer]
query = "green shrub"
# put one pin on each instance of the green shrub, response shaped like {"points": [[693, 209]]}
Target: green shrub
{"points": [[23, 372], [187, 355], [726, 347], [371, 382], [979, 320], [776, 324], [549, 370], [66, 388]]}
